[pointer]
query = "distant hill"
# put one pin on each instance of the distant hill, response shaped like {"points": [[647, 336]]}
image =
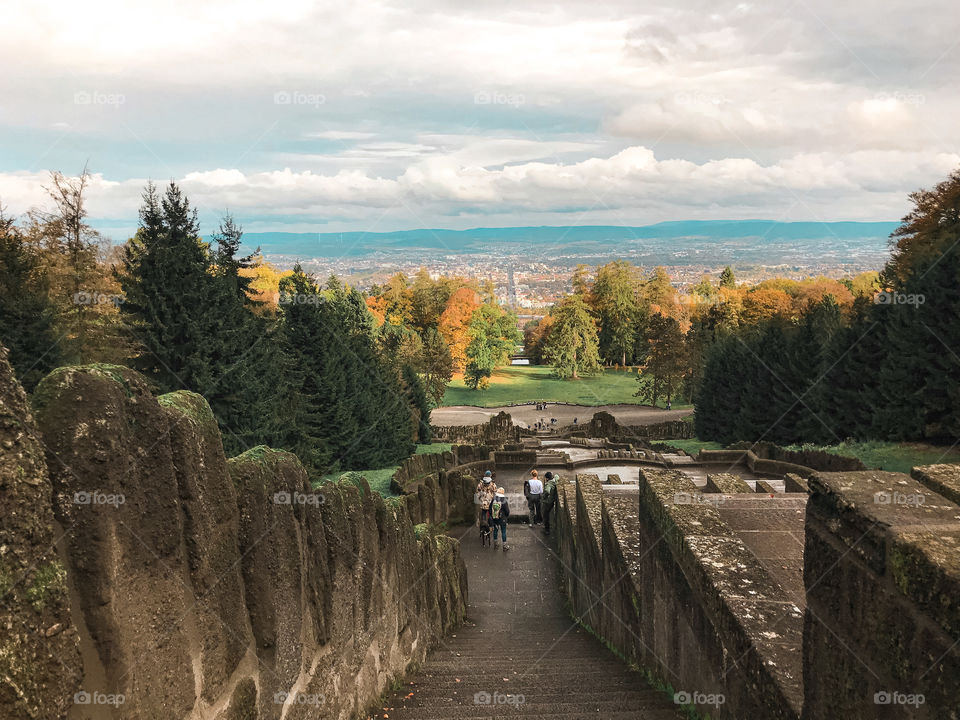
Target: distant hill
{"points": [[678, 242]]}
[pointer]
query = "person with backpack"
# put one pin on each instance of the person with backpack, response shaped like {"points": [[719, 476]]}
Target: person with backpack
{"points": [[499, 512], [532, 491], [549, 500], [486, 490]]}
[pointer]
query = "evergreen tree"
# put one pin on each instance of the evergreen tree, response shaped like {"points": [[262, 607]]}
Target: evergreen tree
{"points": [[192, 319], [614, 300], [352, 410], [727, 278], [26, 314], [666, 362], [436, 366], [419, 403], [572, 347]]}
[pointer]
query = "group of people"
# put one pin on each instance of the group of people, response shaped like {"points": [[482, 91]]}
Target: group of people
{"points": [[494, 506]]}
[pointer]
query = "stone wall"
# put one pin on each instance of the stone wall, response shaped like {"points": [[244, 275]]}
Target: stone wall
{"points": [[673, 589], [882, 575], [814, 459], [435, 488], [39, 651], [497, 431], [605, 425], [217, 589]]}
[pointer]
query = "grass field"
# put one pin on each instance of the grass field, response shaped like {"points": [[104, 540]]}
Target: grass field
{"points": [[533, 383], [379, 479], [896, 457]]}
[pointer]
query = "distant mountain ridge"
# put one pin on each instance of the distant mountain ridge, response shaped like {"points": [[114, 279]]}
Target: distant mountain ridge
{"points": [[752, 239]]}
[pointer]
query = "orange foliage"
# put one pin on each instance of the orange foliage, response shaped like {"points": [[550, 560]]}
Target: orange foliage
{"points": [[761, 303], [454, 324]]}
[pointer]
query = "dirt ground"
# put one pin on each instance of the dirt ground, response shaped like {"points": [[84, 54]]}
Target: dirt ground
{"points": [[565, 414]]}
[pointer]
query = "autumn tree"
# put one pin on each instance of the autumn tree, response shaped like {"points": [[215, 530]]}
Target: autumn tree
{"points": [[454, 325], [81, 286]]}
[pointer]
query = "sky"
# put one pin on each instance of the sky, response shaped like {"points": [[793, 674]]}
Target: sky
{"points": [[379, 116]]}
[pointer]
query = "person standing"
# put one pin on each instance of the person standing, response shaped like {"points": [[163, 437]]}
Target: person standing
{"points": [[533, 491], [499, 512], [549, 500], [486, 490]]}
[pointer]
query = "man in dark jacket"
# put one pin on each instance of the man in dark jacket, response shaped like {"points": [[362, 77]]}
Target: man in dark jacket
{"points": [[549, 500]]}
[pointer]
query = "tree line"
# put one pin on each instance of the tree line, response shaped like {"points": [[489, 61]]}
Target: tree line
{"points": [[317, 369], [884, 367]]}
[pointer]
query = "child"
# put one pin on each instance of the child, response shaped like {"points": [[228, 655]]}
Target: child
{"points": [[499, 512]]}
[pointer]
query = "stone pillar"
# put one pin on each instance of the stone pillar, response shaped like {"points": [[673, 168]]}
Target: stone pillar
{"points": [[882, 578]]}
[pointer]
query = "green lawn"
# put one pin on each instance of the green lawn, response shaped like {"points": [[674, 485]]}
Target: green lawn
{"points": [[379, 479], [532, 383], [896, 457]]}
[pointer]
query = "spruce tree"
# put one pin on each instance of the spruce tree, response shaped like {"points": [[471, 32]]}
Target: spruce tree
{"points": [[26, 313]]}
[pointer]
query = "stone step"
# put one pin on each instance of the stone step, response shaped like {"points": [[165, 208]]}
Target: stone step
{"points": [[541, 712]]}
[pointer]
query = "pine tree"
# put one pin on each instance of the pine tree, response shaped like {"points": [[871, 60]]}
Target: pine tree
{"points": [[572, 347], [614, 300], [727, 278], [26, 314]]}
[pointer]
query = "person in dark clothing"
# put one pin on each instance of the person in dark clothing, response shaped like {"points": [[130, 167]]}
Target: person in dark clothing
{"points": [[499, 512], [549, 500]]}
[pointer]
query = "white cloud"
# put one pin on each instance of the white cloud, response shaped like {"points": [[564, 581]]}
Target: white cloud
{"points": [[662, 109]]}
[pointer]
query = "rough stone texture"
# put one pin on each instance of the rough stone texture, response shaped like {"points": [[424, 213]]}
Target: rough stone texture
{"points": [[108, 437], [819, 460], [229, 590], [437, 488], [942, 479], [883, 592], [683, 597], [497, 431], [764, 487], [727, 483], [605, 425], [40, 663]]}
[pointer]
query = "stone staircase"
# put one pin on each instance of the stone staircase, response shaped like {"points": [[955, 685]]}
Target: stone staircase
{"points": [[519, 654]]}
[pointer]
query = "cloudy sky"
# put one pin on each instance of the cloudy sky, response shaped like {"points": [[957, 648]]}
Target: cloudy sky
{"points": [[431, 113]]}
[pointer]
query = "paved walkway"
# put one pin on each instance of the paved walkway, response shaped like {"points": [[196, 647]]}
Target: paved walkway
{"points": [[519, 643], [528, 414]]}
